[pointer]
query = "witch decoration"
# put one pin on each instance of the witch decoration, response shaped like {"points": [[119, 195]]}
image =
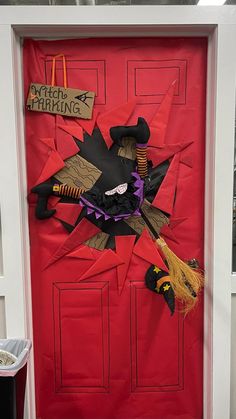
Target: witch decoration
{"points": [[117, 189]]}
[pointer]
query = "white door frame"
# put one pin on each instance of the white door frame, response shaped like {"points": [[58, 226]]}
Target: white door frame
{"points": [[219, 25]]}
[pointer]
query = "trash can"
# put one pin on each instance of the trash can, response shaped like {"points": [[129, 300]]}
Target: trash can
{"points": [[14, 354]]}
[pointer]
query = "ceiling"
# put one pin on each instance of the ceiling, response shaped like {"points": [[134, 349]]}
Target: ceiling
{"points": [[103, 2]]}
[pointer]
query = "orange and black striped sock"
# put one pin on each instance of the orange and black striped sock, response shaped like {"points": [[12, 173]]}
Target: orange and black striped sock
{"points": [[65, 190], [141, 156]]}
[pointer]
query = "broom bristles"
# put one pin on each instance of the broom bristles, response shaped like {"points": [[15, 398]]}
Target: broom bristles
{"points": [[184, 280]]}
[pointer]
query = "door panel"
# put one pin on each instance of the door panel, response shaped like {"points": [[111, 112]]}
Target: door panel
{"points": [[98, 354], [157, 365], [148, 81], [87, 74], [81, 334]]}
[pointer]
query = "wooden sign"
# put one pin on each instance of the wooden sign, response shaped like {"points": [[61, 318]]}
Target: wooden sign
{"points": [[58, 100]]}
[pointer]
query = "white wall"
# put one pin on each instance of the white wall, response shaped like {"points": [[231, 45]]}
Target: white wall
{"points": [[233, 359]]}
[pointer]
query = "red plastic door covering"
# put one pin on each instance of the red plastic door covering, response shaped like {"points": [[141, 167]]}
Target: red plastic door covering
{"points": [[100, 355]]}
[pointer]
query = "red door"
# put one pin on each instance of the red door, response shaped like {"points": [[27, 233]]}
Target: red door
{"points": [[100, 354]]}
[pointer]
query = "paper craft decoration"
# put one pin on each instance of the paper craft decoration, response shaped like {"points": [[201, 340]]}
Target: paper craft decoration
{"points": [[78, 173], [123, 195], [60, 100]]}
